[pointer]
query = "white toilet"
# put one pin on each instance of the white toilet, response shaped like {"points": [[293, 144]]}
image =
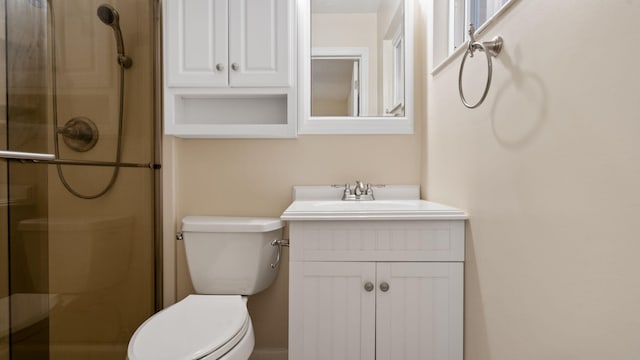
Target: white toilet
{"points": [[228, 258]]}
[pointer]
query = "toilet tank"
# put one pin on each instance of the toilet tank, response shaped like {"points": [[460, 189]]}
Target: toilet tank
{"points": [[231, 255]]}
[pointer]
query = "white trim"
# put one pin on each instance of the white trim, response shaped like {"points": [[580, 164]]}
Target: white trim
{"points": [[454, 18], [397, 92], [169, 221], [351, 125], [339, 52], [356, 53]]}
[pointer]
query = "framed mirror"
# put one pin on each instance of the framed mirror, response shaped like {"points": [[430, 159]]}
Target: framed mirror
{"points": [[356, 67]]}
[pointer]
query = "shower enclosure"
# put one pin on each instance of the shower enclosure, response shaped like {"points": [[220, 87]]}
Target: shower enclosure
{"points": [[78, 176]]}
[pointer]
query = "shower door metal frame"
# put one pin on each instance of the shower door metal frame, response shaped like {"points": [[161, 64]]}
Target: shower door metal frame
{"points": [[158, 238]]}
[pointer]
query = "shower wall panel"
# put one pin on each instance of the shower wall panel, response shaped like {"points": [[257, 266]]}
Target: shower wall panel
{"points": [[96, 315]]}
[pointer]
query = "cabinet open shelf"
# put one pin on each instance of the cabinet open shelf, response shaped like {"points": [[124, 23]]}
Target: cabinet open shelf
{"points": [[202, 114]]}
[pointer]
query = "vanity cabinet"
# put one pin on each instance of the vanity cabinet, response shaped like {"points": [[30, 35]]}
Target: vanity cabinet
{"points": [[376, 289], [229, 68]]}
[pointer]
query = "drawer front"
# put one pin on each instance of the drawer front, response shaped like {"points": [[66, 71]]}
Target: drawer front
{"points": [[377, 240]]}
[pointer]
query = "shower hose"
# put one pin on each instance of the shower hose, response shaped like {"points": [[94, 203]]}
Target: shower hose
{"points": [[116, 168]]}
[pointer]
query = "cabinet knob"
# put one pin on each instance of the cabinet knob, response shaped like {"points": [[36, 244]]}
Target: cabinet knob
{"points": [[384, 286], [368, 286], [235, 67], [219, 67]]}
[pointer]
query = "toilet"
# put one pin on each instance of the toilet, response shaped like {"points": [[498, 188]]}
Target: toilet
{"points": [[228, 259]]}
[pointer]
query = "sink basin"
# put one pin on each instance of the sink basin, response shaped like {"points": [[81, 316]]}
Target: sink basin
{"points": [[312, 205]]}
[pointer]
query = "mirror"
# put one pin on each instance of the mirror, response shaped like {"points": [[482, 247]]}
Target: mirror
{"points": [[356, 66], [357, 58]]}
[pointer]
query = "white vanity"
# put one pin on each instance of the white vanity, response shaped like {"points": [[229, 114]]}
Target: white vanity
{"points": [[380, 279]]}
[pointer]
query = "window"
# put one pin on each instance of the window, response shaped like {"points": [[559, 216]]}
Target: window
{"points": [[465, 12]]}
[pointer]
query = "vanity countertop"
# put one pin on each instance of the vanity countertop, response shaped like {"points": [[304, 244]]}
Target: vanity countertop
{"points": [[392, 203]]}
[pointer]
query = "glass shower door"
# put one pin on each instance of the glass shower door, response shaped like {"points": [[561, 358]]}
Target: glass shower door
{"points": [[24, 110], [76, 273]]}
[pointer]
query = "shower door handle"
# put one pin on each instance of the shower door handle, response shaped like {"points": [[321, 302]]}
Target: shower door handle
{"points": [[28, 156]]}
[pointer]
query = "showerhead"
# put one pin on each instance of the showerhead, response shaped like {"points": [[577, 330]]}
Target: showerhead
{"points": [[110, 17]]}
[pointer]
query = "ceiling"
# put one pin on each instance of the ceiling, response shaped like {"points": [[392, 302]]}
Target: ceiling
{"points": [[345, 6]]}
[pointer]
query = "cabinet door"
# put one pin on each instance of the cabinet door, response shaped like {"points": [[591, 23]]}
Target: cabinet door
{"points": [[259, 42], [332, 315], [420, 315], [196, 45]]}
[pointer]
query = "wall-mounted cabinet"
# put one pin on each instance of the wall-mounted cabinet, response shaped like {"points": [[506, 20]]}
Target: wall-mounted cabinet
{"points": [[229, 68]]}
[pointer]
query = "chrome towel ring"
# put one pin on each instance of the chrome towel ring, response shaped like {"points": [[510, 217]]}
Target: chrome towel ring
{"points": [[490, 48]]}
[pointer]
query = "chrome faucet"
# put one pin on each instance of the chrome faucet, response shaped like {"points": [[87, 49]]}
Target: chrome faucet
{"points": [[359, 188], [360, 192]]}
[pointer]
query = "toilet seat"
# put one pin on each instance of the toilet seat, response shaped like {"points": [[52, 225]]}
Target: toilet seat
{"points": [[199, 326]]}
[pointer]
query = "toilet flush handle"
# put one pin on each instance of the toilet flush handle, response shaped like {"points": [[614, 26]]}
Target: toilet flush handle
{"points": [[279, 243]]}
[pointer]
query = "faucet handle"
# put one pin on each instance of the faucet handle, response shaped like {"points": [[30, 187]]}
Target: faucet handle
{"points": [[368, 190], [347, 192], [346, 187]]}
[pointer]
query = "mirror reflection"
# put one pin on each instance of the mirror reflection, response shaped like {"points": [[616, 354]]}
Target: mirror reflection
{"points": [[357, 58]]}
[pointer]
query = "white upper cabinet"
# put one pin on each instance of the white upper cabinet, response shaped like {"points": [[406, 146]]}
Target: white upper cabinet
{"points": [[258, 45], [219, 43], [229, 68], [197, 42]]}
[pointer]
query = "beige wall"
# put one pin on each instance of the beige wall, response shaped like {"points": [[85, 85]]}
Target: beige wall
{"points": [[548, 170]]}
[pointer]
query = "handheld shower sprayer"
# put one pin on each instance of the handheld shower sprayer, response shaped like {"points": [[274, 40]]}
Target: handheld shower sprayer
{"points": [[110, 17]]}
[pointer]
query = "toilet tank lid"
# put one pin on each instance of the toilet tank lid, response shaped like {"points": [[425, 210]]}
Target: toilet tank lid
{"points": [[230, 224]]}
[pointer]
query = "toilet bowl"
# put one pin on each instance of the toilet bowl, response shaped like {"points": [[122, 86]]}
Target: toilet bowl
{"points": [[207, 326], [228, 259]]}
